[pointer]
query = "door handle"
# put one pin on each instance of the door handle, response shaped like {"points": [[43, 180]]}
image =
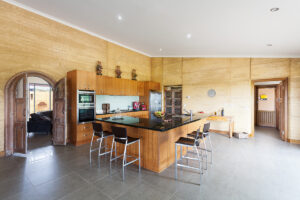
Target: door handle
{"points": [[24, 113]]}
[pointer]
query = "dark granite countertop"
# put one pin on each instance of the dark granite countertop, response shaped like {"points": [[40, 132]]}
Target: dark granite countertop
{"points": [[122, 111], [153, 123]]}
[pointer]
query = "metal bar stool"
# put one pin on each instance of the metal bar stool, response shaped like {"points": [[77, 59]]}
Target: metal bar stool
{"points": [[187, 142], [201, 136], [98, 131], [122, 138]]}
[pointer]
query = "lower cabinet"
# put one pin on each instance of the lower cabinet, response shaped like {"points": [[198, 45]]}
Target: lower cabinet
{"points": [[84, 133]]}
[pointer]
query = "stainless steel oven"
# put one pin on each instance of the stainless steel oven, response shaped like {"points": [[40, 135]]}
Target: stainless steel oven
{"points": [[85, 106]]}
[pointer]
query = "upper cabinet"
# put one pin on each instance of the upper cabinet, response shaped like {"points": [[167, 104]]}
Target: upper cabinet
{"points": [[153, 85], [84, 80], [104, 85], [141, 88]]}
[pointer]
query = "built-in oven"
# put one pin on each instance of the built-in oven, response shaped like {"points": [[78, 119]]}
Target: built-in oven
{"points": [[85, 106], [86, 114]]}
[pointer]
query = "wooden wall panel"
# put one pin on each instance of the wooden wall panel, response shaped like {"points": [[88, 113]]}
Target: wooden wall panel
{"points": [[266, 68], [294, 100], [157, 70], [172, 71], [31, 42]]}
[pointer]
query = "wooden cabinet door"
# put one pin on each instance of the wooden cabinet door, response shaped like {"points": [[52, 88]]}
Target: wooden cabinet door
{"points": [[154, 86], [100, 85], [59, 113], [81, 80], [140, 88], [20, 116], [118, 86], [134, 88], [86, 80]]}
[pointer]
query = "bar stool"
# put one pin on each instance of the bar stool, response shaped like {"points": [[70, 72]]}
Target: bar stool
{"points": [[98, 131], [122, 138], [201, 136], [187, 142]]}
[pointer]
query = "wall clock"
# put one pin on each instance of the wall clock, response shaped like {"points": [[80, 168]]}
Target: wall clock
{"points": [[211, 93]]}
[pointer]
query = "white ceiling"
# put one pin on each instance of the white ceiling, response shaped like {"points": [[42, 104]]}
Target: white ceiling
{"points": [[218, 28]]}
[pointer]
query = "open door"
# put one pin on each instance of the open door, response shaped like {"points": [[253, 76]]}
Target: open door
{"points": [[20, 116], [59, 113], [284, 109]]}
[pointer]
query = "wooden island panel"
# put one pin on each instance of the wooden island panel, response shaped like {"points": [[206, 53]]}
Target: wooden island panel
{"points": [[157, 148]]}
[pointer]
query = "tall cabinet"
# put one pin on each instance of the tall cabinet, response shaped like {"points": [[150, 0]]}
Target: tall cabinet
{"points": [[78, 80]]}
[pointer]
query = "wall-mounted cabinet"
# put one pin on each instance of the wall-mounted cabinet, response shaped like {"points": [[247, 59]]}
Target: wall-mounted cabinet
{"points": [[116, 86], [85, 80]]}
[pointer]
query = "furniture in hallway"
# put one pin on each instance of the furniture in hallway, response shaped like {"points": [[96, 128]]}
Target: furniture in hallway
{"points": [[102, 135], [120, 136], [227, 119], [157, 137], [40, 122]]}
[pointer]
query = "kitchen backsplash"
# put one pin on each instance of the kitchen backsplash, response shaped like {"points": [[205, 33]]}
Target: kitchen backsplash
{"points": [[121, 102]]}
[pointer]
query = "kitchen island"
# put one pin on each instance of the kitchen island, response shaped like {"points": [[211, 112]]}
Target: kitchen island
{"points": [[157, 136]]}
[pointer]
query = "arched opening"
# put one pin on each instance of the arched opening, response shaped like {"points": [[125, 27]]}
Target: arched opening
{"points": [[30, 106]]}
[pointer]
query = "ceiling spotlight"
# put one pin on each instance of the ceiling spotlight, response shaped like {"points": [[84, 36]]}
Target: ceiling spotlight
{"points": [[119, 17], [160, 49], [269, 45], [188, 36], [274, 9]]}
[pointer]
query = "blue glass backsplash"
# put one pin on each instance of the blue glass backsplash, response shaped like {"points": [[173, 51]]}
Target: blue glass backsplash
{"points": [[121, 102]]}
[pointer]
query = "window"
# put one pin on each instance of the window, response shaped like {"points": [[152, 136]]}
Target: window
{"points": [[40, 97]]}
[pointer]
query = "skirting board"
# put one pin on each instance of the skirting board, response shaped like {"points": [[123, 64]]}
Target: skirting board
{"points": [[294, 141], [2, 153]]}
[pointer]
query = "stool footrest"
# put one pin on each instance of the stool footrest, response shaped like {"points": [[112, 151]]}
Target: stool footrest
{"points": [[186, 166]]}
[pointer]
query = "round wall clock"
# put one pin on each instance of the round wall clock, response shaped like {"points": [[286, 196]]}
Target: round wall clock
{"points": [[211, 93]]}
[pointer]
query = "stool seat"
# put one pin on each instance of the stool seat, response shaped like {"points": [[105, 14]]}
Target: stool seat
{"points": [[194, 133], [186, 141], [129, 140], [105, 134]]}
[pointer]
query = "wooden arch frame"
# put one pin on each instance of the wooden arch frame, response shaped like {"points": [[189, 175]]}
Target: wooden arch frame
{"points": [[8, 92]]}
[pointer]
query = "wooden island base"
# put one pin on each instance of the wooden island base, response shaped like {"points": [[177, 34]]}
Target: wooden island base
{"points": [[157, 147]]}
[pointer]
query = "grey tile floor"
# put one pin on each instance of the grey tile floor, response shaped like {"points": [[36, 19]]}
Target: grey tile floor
{"points": [[263, 167]]}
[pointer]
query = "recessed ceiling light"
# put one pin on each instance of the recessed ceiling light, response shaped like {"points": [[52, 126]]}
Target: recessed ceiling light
{"points": [[269, 45], [119, 17], [160, 49], [188, 36], [274, 9]]}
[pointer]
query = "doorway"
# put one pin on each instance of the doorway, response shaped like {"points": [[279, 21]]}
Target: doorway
{"points": [[34, 106], [40, 113], [271, 105]]}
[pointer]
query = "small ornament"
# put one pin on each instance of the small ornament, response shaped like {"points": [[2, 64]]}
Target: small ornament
{"points": [[118, 72], [99, 68], [133, 74]]}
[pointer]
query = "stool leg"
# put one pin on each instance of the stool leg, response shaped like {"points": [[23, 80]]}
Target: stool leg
{"points": [[211, 151], [176, 161], [116, 152], [99, 150], [91, 146], [139, 156], [198, 155], [111, 151], [205, 153], [180, 152], [124, 160]]}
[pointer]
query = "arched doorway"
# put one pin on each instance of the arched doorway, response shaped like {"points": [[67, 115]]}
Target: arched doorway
{"points": [[17, 109]]}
